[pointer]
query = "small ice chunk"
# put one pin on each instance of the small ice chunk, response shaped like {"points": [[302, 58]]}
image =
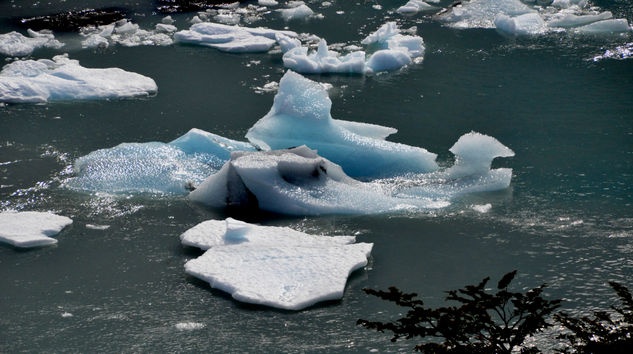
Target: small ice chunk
{"points": [[474, 153], [606, 26], [415, 6], [275, 266], [301, 115], [482, 13], [31, 228], [189, 326], [15, 44], [61, 78], [481, 208], [163, 28], [395, 49], [296, 13], [67, 315], [526, 24], [95, 41], [267, 2], [167, 20], [571, 20], [323, 60], [97, 227]]}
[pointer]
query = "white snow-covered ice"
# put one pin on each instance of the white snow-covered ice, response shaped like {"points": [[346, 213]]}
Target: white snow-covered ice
{"points": [[154, 167], [300, 115], [236, 39], [31, 228], [415, 6], [274, 266], [128, 34], [16, 44], [31, 81], [298, 10]]}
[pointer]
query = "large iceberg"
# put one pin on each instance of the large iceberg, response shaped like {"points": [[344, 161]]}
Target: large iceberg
{"points": [[301, 116], [299, 182], [16, 44], [390, 50], [31, 228], [227, 38], [30, 81], [154, 167], [274, 266]]}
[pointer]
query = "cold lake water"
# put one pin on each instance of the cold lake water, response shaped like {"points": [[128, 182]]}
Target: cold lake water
{"points": [[115, 281]]}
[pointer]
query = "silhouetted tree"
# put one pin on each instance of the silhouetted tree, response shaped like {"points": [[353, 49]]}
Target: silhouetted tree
{"points": [[482, 323], [601, 333]]}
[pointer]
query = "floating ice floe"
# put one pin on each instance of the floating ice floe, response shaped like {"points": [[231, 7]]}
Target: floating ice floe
{"points": [[189, 326], [297, 10], [16, 44], [29, 81], [415, 6], [298, 182], [231, 38], [128, 34], [267, 2], [31, 228], [391, 50], [155, 167], [518, 18], [300, 115], [275, 266]]}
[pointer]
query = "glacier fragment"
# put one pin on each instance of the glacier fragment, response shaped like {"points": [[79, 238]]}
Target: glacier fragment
{"points": [[275, 266], [31, 228], [31, 81], [235, 39], [298, 182], [154, 167], [16, 44], [301, 116]]}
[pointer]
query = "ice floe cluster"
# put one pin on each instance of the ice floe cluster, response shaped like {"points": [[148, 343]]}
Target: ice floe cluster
{"points": [[390, 49], [31, 228], [62, 78], [515, 17], [129, 34], [273, 266], [16, 44], [299, 161]]}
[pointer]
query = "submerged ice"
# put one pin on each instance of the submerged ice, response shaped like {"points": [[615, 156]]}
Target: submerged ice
{"points": [[31, 228], [301, 116], [154, 167], [273, 266], [31, 81]]}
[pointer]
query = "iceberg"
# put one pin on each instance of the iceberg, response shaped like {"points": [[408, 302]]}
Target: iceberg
{"points": [[301, 116], [415, 6], [31, 81], [15, 44], [298, 182], [275, 266], [392, 50], [527, 24], [234, 39], [154, 167], [298, 10], [31, 228]]}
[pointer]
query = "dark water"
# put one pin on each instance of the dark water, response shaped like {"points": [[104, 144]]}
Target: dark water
{"points": [[566, 220]]}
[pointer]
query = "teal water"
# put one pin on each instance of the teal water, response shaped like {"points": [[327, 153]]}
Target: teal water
{"points": [[566, 220]]}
